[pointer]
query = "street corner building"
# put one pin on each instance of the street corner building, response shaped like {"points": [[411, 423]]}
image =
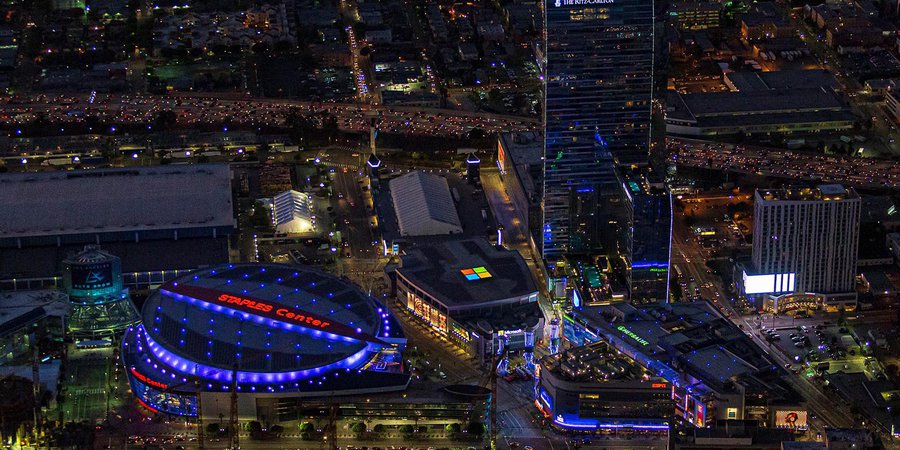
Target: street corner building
{"points": [[272, 333], [481, 297]]}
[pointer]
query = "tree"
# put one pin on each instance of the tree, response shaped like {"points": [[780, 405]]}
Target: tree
{"points": [[255, 428], [475, 428], [379, 428], [406, 429], [307, 427], [261, 217], [358, 428], [453, 428], [212, 428], [276, 430]]}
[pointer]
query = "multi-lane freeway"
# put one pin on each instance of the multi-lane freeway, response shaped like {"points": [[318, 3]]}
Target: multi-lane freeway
{"points": [[779, 163], [235, 109]]}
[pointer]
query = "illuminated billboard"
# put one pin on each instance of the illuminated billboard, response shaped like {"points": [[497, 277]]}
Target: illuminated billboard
{"points": [[794, 419], [768, 284]]}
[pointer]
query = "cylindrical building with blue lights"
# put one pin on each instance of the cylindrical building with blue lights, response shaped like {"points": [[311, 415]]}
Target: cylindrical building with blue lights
{"points": [[283, 332]]}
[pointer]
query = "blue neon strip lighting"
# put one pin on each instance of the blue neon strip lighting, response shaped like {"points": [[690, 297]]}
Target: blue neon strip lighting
{"points": [[592, 424], [641, 265], [186, 366]]}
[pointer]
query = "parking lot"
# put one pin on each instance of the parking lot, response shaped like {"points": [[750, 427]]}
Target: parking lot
{"points": [[816, 345]]}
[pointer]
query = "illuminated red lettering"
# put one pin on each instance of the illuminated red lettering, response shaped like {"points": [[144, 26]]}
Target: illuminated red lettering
{"points": [[146, 380], [275, 311]]}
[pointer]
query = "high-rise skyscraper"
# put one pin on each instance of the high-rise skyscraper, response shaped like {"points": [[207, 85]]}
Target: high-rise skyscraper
{"points": [[648, 244], [598, 100], [805, 240]]}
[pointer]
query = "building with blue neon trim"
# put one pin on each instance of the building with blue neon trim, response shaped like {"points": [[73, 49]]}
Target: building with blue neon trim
{"points": [[285, 332]]}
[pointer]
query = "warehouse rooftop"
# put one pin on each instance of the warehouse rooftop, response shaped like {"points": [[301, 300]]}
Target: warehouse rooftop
{"points": [[115, 200]]}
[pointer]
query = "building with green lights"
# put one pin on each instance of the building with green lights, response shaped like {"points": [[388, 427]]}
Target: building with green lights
{"points": [[101, 305]]}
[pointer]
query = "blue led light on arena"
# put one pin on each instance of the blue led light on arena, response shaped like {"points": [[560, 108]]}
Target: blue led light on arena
{"points": [[280, 330]]}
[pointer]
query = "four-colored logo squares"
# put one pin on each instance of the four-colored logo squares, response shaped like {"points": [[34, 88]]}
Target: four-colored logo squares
{"points": [[476, 273]]}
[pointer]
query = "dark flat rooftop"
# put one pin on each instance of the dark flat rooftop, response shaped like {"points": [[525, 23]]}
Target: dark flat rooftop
{"points": [[437, 268]]}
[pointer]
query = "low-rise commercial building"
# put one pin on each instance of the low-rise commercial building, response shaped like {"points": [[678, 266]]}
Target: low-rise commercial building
{"points": [[715, 371], [28, 317], [756, 111], [479, 296], [520, 158], [594, 388]]}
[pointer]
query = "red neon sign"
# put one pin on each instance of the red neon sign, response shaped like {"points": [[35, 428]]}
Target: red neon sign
{"points": [[658, 385], [146, 380], [269, 310]]}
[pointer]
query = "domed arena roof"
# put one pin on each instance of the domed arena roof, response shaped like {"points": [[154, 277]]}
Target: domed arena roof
{"points": [[273, 325]]}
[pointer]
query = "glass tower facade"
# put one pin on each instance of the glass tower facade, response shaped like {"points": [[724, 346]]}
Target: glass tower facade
{"points": [[649, 241], [598, 102]]}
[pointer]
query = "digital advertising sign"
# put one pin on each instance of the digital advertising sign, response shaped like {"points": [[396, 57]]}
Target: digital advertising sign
{"points": [[768, 284], [794, 419], [92, 277]]}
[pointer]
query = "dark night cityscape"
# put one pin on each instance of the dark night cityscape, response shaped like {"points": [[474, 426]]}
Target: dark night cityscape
{"points": [[449, 224]]}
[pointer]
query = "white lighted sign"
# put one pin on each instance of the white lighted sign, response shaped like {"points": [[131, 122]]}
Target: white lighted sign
{"points": [[769, 284], [559, 3]]}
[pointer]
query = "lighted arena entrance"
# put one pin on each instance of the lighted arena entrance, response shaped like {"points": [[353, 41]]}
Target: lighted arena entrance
{"points": [[793, 303]]}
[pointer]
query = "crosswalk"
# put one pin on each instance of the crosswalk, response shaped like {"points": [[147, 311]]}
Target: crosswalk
{"points": [[91, 391]]}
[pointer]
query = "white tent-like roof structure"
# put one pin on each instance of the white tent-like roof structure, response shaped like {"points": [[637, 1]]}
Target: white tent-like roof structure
{"points": [[293, 213], [423, 205]]}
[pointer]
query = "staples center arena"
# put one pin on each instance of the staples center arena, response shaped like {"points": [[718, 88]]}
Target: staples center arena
{"points": [[284, 332]]}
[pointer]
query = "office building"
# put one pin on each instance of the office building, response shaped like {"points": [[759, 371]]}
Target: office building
{"points": [[805, 240], [648, 245], [598, 102], [695, 16]]}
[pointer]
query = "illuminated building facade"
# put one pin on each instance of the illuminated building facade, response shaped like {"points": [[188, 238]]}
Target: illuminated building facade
{"points": [[807, 239], [101, 305], [468, 291], [712, 369], [284, 332], [592, 388], [598, 103]]}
